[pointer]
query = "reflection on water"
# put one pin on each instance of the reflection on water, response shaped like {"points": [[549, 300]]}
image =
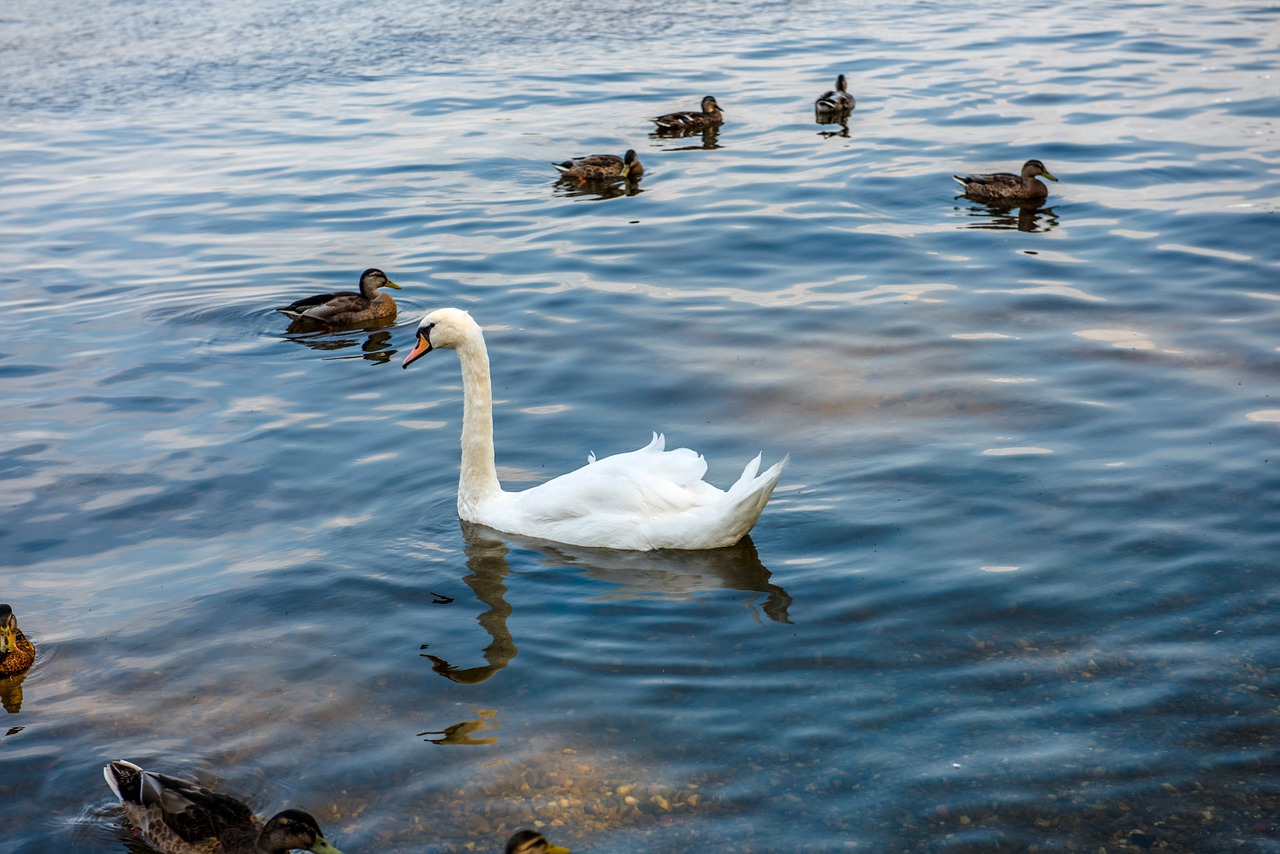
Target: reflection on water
{"points": [[671, 575], [708, 138], [463, 732], [11, 692], [569, 187], [1009, 217], [841, 119], [374, 346]]}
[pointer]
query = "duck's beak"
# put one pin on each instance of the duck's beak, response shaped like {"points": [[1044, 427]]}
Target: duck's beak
{"points": [[421, 347], [1046, 173], [391, 284], [557, 849], [7, 644], [626, 169], [324, 846]]}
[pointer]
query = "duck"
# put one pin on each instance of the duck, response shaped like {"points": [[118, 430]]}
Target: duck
{"points": [[1004, 186], [532, 842], [17, 654], [838, 100], [641, 500], [180, 817], [710, 116], [347, 307], [601, 167]]}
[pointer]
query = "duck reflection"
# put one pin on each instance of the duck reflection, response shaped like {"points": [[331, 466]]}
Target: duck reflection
{"points": [[375, 345], [840, 120], [1010, 216], [660, 574], [572, 187], [463, 733], [11, 693], [708, 138]]}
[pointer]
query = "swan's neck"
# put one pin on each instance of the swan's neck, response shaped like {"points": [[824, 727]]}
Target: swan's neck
{"points": [[478, 480]]}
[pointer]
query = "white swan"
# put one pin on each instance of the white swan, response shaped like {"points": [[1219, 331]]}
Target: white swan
{"points": [[645, 499]]}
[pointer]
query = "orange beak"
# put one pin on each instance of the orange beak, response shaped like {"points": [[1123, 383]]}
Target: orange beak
{"points": [[421, 347]]}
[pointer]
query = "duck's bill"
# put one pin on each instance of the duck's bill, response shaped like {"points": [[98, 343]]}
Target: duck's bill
{"points": [[6, 641], [557, 849], [391, 284], [1049, 175], [324, 846], [421, 347]]}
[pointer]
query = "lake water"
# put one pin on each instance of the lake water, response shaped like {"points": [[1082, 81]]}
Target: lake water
{"points": [[1016, 592]]}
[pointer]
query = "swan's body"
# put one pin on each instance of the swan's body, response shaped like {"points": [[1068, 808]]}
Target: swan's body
{"points": [[1005, 186], [347, 307], [838, 100], [650, 498], [16, 652], [601, 167], [180, 817], [709, 116]]}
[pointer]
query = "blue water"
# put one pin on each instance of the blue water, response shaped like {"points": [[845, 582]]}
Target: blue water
{"points": [[1016, 591]]}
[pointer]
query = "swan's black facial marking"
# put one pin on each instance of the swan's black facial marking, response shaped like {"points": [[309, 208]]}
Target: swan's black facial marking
{"points": [[421, 347]]}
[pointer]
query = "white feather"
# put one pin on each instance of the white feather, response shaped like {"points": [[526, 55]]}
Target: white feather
{"points": [[650, 498]]}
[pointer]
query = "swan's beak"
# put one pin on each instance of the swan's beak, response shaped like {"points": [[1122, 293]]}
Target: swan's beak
{"points": [[421, 347]]}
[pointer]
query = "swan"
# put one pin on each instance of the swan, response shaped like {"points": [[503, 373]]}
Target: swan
{"points": [[645, 499]]}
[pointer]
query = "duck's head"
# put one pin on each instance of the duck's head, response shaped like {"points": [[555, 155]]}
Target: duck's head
{"points": [[630, 163], [372, 279], [8, 625], [444, 328], [709, 105], [532, 842], [841, 85], [294, 829], [1032, 168]]}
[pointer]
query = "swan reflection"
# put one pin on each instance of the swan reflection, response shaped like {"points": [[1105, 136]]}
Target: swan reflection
{"points": [[1010, 216], [374, 343], [672, 575]]}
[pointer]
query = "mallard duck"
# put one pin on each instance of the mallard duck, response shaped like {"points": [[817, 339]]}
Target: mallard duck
{"points": [[532, 842], [347, 307], [179, 817], [646, 499], [711, 115], [1005, 186], [16, 652], [602, 167], [838, 100]]}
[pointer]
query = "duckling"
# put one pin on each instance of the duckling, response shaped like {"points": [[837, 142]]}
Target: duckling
{"points": [[711, 115], [1003, 186], [602, 167], [532, 842], [179, 817], [838, 100], [347, 307], [16, 652]]}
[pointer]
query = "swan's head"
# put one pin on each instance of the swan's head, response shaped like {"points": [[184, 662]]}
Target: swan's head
{"points": [[444, 328]]}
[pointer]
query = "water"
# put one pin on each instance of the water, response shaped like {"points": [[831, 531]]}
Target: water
{"points": [[1016, 591]]}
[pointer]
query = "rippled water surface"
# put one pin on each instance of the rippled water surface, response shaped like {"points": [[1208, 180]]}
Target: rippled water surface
{"points": [[1017, 590]]}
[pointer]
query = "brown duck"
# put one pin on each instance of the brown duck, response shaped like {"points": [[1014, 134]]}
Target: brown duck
{"points": [[347, 307], [601, 167], [838, 100], [710, 116], [16, 652], [1003, 186]]}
